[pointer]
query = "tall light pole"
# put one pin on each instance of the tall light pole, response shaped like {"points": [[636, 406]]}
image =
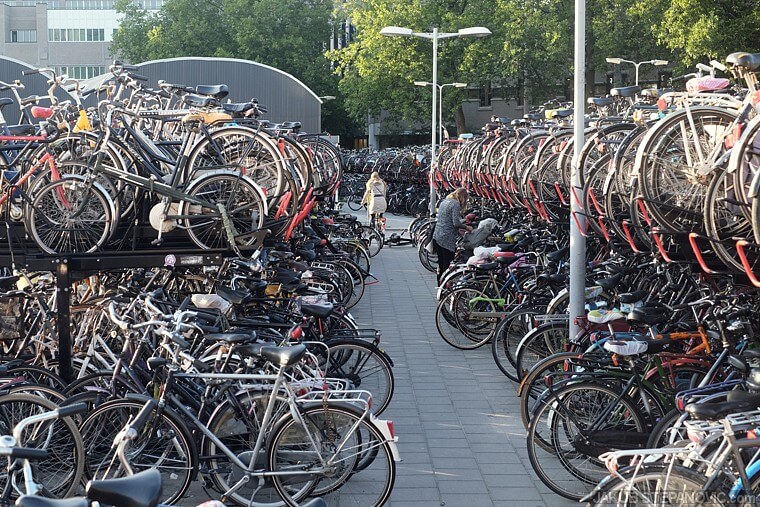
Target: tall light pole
{"points": [[440, 103], [618, 61], [435, 36]]}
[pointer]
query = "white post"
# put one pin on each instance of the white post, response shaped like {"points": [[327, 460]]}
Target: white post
{"points": [[577, 241], [637, 72], [433, 121], [440, 115]]}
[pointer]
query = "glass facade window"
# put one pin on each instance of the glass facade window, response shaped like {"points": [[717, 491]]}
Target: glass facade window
{"points": [[80, 71], [76, 34], [23, 36]]}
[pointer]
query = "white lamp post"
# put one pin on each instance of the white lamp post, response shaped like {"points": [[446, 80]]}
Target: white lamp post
{"points": [[440, 103], [435, 36], [618, 61]]}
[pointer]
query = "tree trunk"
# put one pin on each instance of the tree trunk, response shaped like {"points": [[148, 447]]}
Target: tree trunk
{"points": [[459, 118]]}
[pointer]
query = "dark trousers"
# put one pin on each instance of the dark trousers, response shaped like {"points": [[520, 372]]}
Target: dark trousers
{"points": [[445, 257]]}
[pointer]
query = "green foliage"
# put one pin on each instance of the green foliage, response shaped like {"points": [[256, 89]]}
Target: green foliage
{"points": [[703, 29]]}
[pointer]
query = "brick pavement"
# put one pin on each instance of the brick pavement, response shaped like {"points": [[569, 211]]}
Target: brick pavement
{"points": [[456, 416]]}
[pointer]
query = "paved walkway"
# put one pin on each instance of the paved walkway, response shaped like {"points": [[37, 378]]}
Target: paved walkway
{"points": [[456, 416]]}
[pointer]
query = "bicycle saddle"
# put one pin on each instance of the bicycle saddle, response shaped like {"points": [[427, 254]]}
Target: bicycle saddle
{"points": [[283, 356], [5, 101], [8, 282], [198, 101], [140, 490], [601, 101], [236, 297], [750, 61], [625, 91], [559, 254], [38, 501], [610, 282], [738, 401], [21, 130], [634, 346], [239, 107], [487, 266], [648, 315], [42, 112], [604, 316], [633, 297], [532, 117], [216, 91], [308, 255], [318, 310]]}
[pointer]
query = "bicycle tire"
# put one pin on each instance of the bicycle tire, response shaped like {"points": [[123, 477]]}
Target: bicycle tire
{"points": [[60, 473], [346, 484], [205, 225], [507, 336], [540, 343], [179, 458], [61, 212], [237, 425], [457, 327], [685, 487], [362, 364], [546, 447]]}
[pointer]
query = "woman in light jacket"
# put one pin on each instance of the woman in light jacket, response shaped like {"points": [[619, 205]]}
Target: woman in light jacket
{"points": [[374, 196]]}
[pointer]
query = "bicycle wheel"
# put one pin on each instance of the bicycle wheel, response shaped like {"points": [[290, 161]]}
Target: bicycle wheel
{"points": [[357, 281], [70, 216], [357, 252], [538, 344], [60, 473], [34, 374], [340, 437], [164, 443], [354, 202], [363, 365], [507, 336], [237, 425], [533, 386], [242, 200], [372, 239], [674, 163], [656, 484], [462, 318], [561, 448]]}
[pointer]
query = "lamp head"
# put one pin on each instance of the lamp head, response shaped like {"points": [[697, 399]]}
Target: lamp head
{"points": [[460, 85], [421, 83], [614, 61], [474, 31], [396, 31], [660, 63]]}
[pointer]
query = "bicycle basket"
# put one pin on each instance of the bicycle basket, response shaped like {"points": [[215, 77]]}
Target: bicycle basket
{"points": [[11, 318]]}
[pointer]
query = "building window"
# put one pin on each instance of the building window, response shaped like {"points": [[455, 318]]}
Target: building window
{"points": [[23, 35], [80, 71], [76, 34], [485, 95]]}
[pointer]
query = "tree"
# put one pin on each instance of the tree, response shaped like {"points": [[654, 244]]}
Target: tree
{"points": [[699, 30], [130, 41]]}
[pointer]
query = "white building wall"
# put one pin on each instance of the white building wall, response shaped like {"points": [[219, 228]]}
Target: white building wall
{"points": [[106, 19]]}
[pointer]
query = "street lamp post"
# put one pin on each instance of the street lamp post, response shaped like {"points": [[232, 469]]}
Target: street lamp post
{"points": [[440, 103], [435, 36], [618, 61]]}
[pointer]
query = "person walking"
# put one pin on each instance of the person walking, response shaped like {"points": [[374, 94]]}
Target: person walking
{"points": [[374, 198], [447, 226]]}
